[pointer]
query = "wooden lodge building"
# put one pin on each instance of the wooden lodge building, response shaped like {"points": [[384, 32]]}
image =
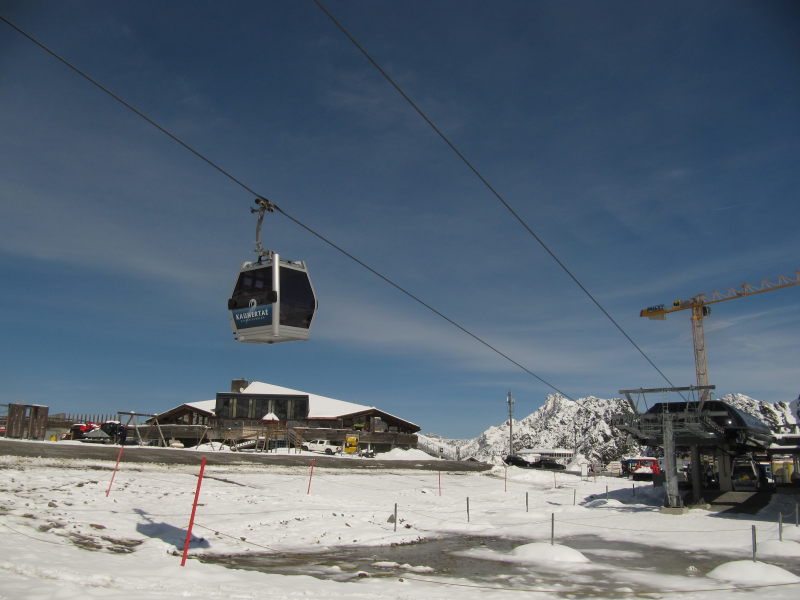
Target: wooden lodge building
{"points": [[281, 416]]}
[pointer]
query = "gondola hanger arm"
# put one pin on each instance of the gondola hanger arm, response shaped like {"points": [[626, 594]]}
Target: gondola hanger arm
{"points": [[264, 206]]}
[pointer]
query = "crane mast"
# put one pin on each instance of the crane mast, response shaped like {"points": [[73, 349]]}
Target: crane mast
{"points": [[699, 342], [700, 310]]}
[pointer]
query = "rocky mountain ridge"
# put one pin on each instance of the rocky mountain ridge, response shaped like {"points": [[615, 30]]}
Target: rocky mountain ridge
{"points": [[585, 427]]}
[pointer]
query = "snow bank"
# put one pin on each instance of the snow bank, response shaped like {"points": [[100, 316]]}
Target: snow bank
{"points": [[543, 552], [748, 572], [400, 454]]}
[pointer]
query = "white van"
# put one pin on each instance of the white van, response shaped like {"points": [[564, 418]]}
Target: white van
{"points": [[324, 446]]}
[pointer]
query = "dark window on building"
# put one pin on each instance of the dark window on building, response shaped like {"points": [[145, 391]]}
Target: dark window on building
{"points": [[255, 407]]}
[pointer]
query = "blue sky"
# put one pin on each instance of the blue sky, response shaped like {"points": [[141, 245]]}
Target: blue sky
{"points": [[652, 146]]}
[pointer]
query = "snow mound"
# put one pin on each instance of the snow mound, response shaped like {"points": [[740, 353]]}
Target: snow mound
{"points": [[400, 454], [748, 572], [543, 552], [600, 502]]}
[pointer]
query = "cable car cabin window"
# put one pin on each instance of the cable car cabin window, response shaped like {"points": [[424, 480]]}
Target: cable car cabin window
{"points": [[253, 288], [297, 298]]}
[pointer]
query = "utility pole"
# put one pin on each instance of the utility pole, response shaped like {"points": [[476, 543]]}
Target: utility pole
{"points": [[510, 400]]}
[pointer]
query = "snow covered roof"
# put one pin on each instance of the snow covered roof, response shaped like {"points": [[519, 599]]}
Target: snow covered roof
{"points": [[319, 407], [204, 405]]}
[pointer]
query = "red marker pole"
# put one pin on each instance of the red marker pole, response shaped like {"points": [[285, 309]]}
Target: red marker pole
{"points": [[114, 474], [310, 475], [194, 510]]}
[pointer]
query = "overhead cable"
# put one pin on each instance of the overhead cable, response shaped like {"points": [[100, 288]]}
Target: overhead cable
{"points": [[244, 186], [484, 181]]}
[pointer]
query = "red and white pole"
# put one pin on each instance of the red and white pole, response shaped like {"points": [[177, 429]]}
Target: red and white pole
{"points": [[194, 510], [310, 475], [114, 474]]}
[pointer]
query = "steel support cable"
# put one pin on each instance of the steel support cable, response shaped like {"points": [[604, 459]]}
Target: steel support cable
{"points": [[278, 208], [127, 105], [30, 537], [485, 182], [418, 300]]}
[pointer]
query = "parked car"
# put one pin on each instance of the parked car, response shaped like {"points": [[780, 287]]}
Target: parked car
{"points": [[640, 467], [513, 460], [324, 446]]}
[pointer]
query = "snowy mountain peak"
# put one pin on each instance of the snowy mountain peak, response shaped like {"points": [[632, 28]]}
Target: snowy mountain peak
{"points": [[585, 426], [775, 414]]}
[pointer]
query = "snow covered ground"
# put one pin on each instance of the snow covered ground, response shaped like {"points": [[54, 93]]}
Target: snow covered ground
{"points": [[332, 535]]}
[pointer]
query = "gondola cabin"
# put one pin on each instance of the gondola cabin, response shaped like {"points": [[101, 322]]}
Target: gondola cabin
{"points": [[272, 302]]}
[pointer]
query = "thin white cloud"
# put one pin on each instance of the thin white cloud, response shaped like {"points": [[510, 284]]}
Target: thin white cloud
{"points": [[50, 230], [703, 276], [399, 331]]}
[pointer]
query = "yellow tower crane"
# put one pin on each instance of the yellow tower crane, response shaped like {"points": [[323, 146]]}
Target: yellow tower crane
{"points": [[700, 310]]}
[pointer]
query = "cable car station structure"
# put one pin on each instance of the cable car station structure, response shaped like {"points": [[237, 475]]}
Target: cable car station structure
{"points": [[709, 427], [705, 425]]}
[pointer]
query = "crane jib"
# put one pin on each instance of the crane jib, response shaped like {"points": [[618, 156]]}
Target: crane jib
{"points": [[741, 291], [700, 309]]}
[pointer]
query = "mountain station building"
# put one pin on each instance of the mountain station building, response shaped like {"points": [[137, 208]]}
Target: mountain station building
{"points": [[279, 416]]}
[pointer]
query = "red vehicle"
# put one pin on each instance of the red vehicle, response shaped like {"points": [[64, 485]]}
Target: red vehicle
{"points": [[79, 430], [640, 467]]}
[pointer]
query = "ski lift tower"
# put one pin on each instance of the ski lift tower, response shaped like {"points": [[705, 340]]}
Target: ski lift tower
{"points": [[690, 426]]}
